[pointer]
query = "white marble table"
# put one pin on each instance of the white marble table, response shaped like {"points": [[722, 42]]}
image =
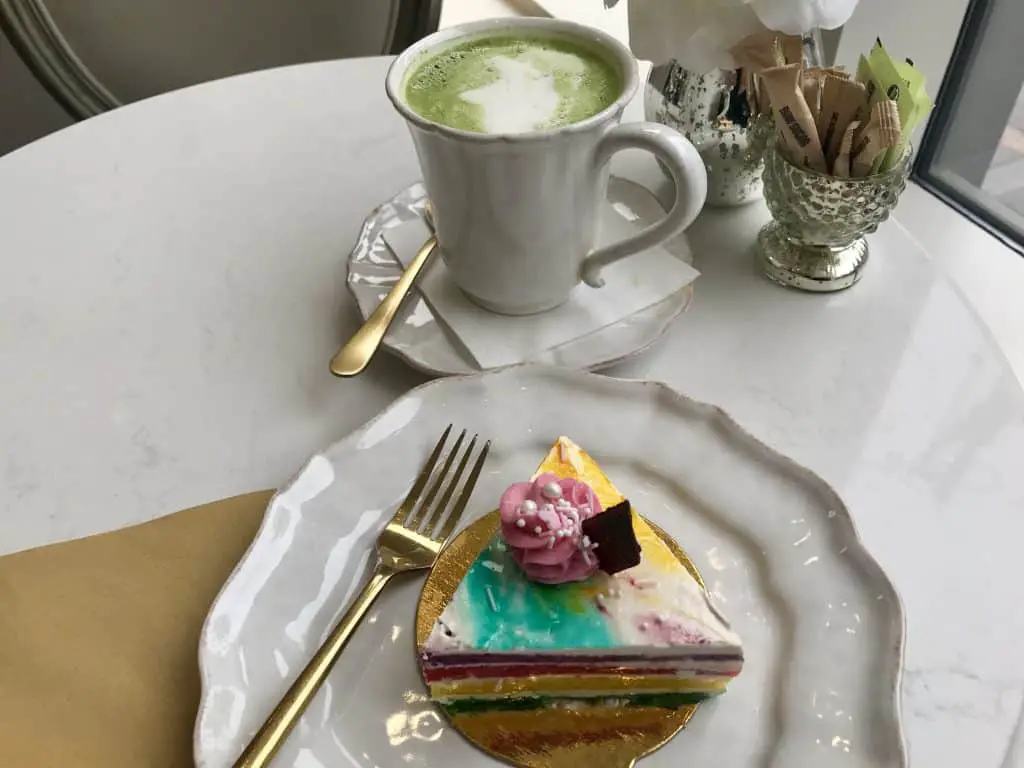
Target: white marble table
{"points": [[173, 287]]}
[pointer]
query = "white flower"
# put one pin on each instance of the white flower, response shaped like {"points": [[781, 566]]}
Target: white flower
{"points": [[798, 17], [699, 33]]}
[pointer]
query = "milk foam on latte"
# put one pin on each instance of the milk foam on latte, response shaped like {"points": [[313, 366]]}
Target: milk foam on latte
{"points": [[512, 84]]}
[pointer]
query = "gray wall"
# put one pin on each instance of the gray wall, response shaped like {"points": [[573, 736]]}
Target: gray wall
{"points": [[138, 48]]}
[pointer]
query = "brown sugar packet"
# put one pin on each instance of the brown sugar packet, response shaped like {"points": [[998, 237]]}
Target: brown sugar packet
{"points": [[881, 131], [842, 101], [841, 164], [751, 57], [753, 98], [762, 50], [813, 81], [755, 53], [793, 119], [810, 84], [840, 72]]}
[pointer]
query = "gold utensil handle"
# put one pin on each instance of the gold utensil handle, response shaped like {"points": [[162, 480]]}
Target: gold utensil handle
{"points": [[275, 730], [355, 355]]}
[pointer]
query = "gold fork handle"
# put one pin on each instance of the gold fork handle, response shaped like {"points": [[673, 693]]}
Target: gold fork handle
{"points": [[279, 724], [355, 355]]}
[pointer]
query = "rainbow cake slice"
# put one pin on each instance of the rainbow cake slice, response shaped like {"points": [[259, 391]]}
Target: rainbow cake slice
{"points": [[575, 597]]}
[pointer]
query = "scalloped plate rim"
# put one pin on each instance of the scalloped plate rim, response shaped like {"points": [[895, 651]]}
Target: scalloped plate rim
{"points": [[709, 411], [657, 330]]}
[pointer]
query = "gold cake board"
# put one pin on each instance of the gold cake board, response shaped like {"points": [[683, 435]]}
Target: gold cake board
{"points": [[555, 737]]}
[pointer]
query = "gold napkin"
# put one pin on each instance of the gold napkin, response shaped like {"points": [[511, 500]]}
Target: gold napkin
{"points": [[98, 639]]}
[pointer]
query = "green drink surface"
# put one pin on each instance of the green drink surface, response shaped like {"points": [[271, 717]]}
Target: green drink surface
{"points": [[512, 84]]}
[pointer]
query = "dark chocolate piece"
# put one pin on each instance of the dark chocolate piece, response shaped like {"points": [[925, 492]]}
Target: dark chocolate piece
{"points": [[616, 547]]}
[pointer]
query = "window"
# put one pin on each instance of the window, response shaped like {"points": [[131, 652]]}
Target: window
{"points": [[972, 152]]}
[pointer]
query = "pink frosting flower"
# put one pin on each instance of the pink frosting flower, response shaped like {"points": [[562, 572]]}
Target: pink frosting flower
{"points": [[540, 521]]}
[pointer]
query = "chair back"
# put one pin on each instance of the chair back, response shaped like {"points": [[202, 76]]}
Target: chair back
{"points": [[94, 56]]}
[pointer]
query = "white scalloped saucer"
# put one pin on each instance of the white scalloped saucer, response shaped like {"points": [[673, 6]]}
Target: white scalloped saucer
{"points": [[417, 337], [822, 625]]}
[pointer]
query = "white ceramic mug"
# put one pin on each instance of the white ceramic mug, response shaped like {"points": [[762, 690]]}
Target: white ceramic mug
{"points": [[516, 215]]}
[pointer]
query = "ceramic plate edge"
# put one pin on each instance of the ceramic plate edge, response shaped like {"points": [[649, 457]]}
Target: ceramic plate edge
{"points": [[897, 652]]}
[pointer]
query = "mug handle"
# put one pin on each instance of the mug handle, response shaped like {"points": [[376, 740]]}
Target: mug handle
{"points": [[688, 173]]}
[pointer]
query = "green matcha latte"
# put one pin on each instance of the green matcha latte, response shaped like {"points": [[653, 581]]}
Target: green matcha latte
{"points": [[512, 84]]}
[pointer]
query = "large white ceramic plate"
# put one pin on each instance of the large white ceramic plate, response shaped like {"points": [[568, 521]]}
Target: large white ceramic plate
{"points": [[418, 338], [822, 625]]}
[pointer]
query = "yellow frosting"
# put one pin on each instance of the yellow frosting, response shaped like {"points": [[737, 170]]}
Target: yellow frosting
{"points": [[566, 459]]}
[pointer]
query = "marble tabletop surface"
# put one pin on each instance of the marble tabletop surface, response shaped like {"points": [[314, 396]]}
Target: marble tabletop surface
{"points": [[173, 287]]}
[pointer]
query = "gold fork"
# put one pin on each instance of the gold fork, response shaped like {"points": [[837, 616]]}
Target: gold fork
{"points": [[410, 541]]}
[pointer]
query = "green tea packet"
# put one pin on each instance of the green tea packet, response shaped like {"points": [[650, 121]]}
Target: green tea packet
{"points": [[876, 91], [866, 76], [892, 86], [923, 103], [901, 82]]}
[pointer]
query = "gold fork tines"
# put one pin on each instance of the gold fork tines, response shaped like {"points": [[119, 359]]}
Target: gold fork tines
{"points": [[410, 541]]}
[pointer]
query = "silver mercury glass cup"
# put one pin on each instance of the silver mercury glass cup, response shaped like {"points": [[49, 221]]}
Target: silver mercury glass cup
{"points": [[816, 241], [695, 105]]}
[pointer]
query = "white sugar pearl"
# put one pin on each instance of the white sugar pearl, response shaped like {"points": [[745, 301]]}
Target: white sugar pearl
{"points": [[552, 490], [520, 523], [529, 506], [538, 529]]}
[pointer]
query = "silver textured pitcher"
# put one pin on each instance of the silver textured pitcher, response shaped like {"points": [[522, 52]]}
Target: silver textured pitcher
{"points": [[697, 106]]}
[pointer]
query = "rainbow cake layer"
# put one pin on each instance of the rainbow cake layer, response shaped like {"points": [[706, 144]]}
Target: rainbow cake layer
{"points": [[645, 635]]}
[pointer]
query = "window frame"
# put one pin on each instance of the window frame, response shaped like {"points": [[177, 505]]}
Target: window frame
{"points": [[938, 36], [967, 200]]}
